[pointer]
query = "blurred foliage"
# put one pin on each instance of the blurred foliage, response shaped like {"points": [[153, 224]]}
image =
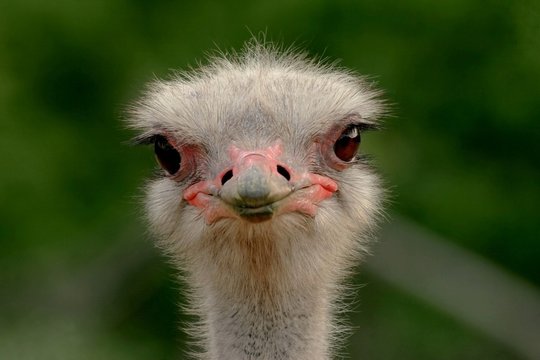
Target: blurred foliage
{"points": [[460, 153]]}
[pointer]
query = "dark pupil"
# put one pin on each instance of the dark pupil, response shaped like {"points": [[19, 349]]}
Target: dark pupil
{"points": [[347, 145], [167, 156]]}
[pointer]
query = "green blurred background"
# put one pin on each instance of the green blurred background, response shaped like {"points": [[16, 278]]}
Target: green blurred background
{"points": [[79, 277]]}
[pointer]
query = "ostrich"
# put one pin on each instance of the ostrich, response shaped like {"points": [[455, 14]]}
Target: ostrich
{"points": [[263, 201]]}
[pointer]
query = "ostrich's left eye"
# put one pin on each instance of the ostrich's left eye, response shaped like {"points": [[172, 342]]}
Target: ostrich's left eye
{"points": [[167, 156], [348, 143]]}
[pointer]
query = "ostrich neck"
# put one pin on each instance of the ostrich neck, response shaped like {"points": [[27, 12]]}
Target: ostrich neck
{"points": [[266, 300], [257, 326]]}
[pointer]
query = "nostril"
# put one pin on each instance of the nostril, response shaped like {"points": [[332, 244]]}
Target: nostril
{"points": [[283, 172], [226, 177]]}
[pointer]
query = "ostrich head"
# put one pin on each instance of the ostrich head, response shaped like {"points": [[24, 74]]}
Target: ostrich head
{"points": [[264, 199]]}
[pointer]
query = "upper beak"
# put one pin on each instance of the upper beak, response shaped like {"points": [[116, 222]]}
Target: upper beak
{"points": [[257, 183]]}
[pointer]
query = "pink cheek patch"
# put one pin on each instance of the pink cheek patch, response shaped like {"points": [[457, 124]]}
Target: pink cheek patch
{"points": [[308, 199], [326, 183], [212, 209], [200, 200], [193, 194], [201, 195]]}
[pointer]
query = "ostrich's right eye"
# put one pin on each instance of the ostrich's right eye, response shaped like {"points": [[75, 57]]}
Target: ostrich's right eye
{"points": [[348, 143], [166, 154]]}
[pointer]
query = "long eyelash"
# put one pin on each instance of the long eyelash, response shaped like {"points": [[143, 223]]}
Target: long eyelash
{"points": [[144, 139], [367, 127]]}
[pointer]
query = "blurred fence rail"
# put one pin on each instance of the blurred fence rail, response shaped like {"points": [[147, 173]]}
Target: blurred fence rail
{"points": [[461, 284]]}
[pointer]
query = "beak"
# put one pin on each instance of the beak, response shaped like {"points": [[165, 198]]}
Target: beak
{"points": [[257, 187], [258, 182]]}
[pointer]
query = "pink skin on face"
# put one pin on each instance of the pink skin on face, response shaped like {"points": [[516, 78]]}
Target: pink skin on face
{"points": [[303, 191]]}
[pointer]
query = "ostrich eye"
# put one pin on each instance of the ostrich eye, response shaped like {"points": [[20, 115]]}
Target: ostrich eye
{"points": [[348, 143], [167, 156]]}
